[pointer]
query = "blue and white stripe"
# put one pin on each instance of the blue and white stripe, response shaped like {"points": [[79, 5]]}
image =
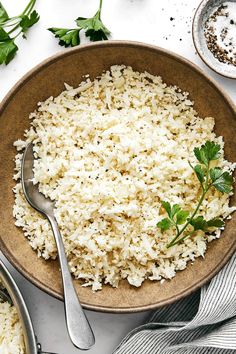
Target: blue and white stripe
{"points": [[204, 322]]}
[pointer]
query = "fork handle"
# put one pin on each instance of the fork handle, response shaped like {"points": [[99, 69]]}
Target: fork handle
{"points": [[78, 326]]}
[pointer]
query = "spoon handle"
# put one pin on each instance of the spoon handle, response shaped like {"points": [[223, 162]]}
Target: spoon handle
{"points": [[78, 326]]}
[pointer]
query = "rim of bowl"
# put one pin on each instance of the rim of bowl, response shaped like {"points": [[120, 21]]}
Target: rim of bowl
{"points": [[195, 36], [113, 43]]}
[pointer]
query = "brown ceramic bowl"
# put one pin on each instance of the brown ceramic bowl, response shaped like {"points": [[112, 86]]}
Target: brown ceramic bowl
{"points": [[48, 79]]}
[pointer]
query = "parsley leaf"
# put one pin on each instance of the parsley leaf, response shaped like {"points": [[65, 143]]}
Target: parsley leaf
{"points": [[28, 21], [94, 36], [3, 14], [171, 211], [4, 36], [174, 210], [199, 223], [164, 224], [176, 215], [215, 173], [207, 152], [200, 173], [94, 28], [182, 216], [8, 50], [224, 182], [215, 223], [167, 207], [11, 28], [67, 37]]}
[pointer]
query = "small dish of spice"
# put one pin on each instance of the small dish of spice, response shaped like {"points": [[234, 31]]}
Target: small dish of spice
{"points": [[214, 35]]}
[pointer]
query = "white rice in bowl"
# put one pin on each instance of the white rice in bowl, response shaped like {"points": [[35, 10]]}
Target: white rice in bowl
{"points": [[11, 332], [108, 152]]}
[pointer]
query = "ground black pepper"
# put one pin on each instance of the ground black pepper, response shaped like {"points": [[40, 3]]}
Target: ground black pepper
{"points": [[220, 33]]}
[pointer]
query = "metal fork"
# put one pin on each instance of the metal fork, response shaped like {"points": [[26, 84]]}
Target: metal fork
{"points": [[78, 326]]}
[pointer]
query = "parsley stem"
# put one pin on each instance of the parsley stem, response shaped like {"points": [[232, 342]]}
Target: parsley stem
{"points": [[14, 28], [28, 8], [173, 241], [100, 6], [26, 11], [10, 23], [17, 35], [7, 23], [177, 228], [99, 10], [195, 212], [205, 189], [183, 238]]}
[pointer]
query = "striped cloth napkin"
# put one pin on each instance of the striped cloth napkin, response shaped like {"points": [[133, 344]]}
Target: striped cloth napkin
{"points": [[204, 322]]}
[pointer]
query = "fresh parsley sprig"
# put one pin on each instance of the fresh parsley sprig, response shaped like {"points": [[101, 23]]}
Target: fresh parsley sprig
{"points": [[184, 222], [68, 37], [12, 27], [93, 27]]}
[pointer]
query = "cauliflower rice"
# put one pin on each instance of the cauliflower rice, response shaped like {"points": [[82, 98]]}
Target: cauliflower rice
{"points": [[11, 332], [108, 152]]}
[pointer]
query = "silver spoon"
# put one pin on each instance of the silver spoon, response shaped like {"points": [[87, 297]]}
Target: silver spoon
{"points": [[79, 329]]}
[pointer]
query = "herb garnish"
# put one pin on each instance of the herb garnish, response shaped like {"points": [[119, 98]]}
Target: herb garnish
{"points": [[12, 27], [208, 178], [93, 27], [67, 37]]}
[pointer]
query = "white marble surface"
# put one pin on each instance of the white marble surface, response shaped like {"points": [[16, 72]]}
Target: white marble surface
{"points": [[142, 20]]}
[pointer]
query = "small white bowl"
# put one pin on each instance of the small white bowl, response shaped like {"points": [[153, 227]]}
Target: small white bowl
{"points": [[202, 13]]}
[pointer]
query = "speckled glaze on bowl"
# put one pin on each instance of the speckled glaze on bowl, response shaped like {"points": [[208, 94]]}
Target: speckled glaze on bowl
{"points": [[201, 15], [47, 79]]}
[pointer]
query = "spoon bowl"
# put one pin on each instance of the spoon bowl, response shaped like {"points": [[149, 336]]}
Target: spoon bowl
{"points": [[36, 199]]}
